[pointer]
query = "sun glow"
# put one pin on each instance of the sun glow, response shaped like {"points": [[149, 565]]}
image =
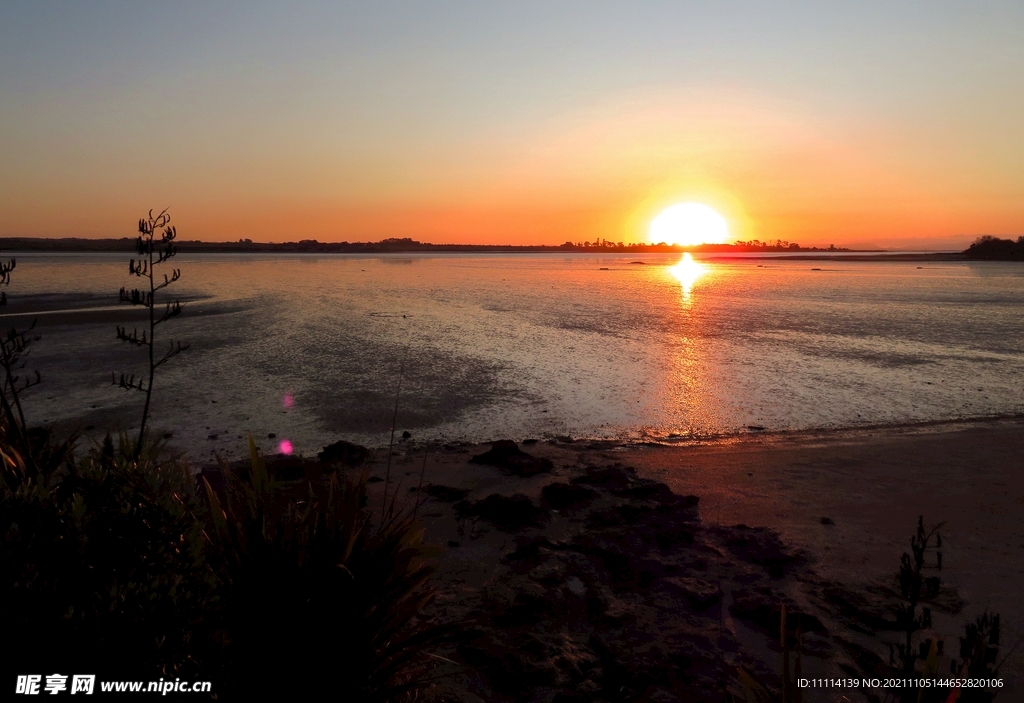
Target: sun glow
{"points": [[689, 224], [688, 271]]}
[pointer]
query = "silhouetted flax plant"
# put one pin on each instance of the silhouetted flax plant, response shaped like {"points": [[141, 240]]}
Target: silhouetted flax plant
{"points": [[14, 347], [153, 252], [916, 588]]}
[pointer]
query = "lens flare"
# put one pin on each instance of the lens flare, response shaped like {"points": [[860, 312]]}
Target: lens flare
{"points": [[288, 401], [285, 446]]}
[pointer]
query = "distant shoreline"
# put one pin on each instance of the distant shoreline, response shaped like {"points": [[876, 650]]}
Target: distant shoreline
{"points": [[404, 245], [408, 246]]}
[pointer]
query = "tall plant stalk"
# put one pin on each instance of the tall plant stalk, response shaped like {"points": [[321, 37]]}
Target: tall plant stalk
{"points": [[152, 252], [13, 348]]}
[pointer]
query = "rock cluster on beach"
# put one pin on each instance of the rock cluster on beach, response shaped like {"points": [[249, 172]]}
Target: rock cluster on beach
{"points": [[607, 586]]}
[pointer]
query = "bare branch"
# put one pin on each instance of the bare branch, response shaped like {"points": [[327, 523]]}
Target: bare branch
{"points": [[169, 280], [136, 297], [173, 310], [132, 338], [176, 348], [128, 382]]}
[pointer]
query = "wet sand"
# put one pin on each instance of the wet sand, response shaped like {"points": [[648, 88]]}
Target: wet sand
{"points": [[873, 484]]}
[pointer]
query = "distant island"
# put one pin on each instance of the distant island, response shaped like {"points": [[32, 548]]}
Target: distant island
{"points": [[994, 249]]}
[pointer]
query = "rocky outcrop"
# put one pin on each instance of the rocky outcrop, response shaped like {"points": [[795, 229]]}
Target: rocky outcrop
{"points": [[628, 605], [506, 455]]}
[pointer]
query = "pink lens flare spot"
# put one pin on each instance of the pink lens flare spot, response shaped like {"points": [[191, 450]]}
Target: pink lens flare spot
{"points": [[285, 446], [288, 401]]}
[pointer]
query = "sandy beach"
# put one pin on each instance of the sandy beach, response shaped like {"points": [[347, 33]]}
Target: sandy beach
{"points": [[837, 573]]}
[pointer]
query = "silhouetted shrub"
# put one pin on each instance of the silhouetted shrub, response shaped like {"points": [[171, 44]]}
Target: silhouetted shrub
{"points": [[316, 599], [103, 562]]}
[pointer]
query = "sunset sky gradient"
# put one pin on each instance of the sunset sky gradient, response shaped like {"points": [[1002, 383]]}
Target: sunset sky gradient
{"points": [[898, 125]]}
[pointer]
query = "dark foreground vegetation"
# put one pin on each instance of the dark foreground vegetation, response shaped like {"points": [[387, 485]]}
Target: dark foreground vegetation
{"points": [[114, 563]]}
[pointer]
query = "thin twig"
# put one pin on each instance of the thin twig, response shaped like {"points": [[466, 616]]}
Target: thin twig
{"points": [[419, 488]]}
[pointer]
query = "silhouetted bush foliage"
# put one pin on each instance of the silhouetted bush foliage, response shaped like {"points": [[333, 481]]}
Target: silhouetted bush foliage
{"points": [[118, 566], [330, 597], [103, 562]]}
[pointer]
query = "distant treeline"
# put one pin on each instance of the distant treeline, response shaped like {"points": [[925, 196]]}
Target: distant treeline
{"points": [[397, 245], [995, 249]]}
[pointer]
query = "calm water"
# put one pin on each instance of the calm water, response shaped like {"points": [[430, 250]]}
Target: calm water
{"points": [[311, 347]]}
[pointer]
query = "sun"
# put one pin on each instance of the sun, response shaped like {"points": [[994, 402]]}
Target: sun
{"points": [[689, 224]]}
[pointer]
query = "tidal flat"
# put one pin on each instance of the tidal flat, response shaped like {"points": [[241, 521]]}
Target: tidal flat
{"points": [[311, 348]]}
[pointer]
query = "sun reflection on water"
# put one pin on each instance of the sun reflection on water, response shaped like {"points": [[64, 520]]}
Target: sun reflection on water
{"points": [[688, 271]]}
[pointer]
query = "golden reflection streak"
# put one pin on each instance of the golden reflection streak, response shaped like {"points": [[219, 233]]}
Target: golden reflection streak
{"points": [[688, 271], [690, 391]]}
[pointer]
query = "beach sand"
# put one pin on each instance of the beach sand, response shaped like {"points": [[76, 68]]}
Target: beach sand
{"points": [[871, 484]]}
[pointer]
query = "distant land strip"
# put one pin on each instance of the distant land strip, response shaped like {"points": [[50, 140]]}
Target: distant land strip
{"points": [[985, 247]]}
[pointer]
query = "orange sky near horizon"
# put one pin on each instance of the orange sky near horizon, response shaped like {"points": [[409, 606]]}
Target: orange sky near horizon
{"points": [[360, 147]]}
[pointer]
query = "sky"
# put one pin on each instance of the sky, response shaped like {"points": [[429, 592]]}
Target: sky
{"points": [[867, 124]]}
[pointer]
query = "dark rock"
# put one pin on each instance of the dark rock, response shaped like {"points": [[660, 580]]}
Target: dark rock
{"points": [[565, 495], [617, 515], [667, 536], [827, 521], [699, 593], [506, 513], [510, 670], [506, 454], [529, 441], [608, 554], [529, 548], [374, 479], [529, 606], [662, 494], [406, 434], [615, 477], [452, 543], [760, 545], [647, 490], [445, 494], [859, 609], [345, 453], [763, 608]]}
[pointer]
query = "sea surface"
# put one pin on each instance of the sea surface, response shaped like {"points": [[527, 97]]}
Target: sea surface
{"points": [[315, 348]]}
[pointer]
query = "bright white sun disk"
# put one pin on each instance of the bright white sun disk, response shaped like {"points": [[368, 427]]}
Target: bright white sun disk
{"points": [[689, 224]]}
